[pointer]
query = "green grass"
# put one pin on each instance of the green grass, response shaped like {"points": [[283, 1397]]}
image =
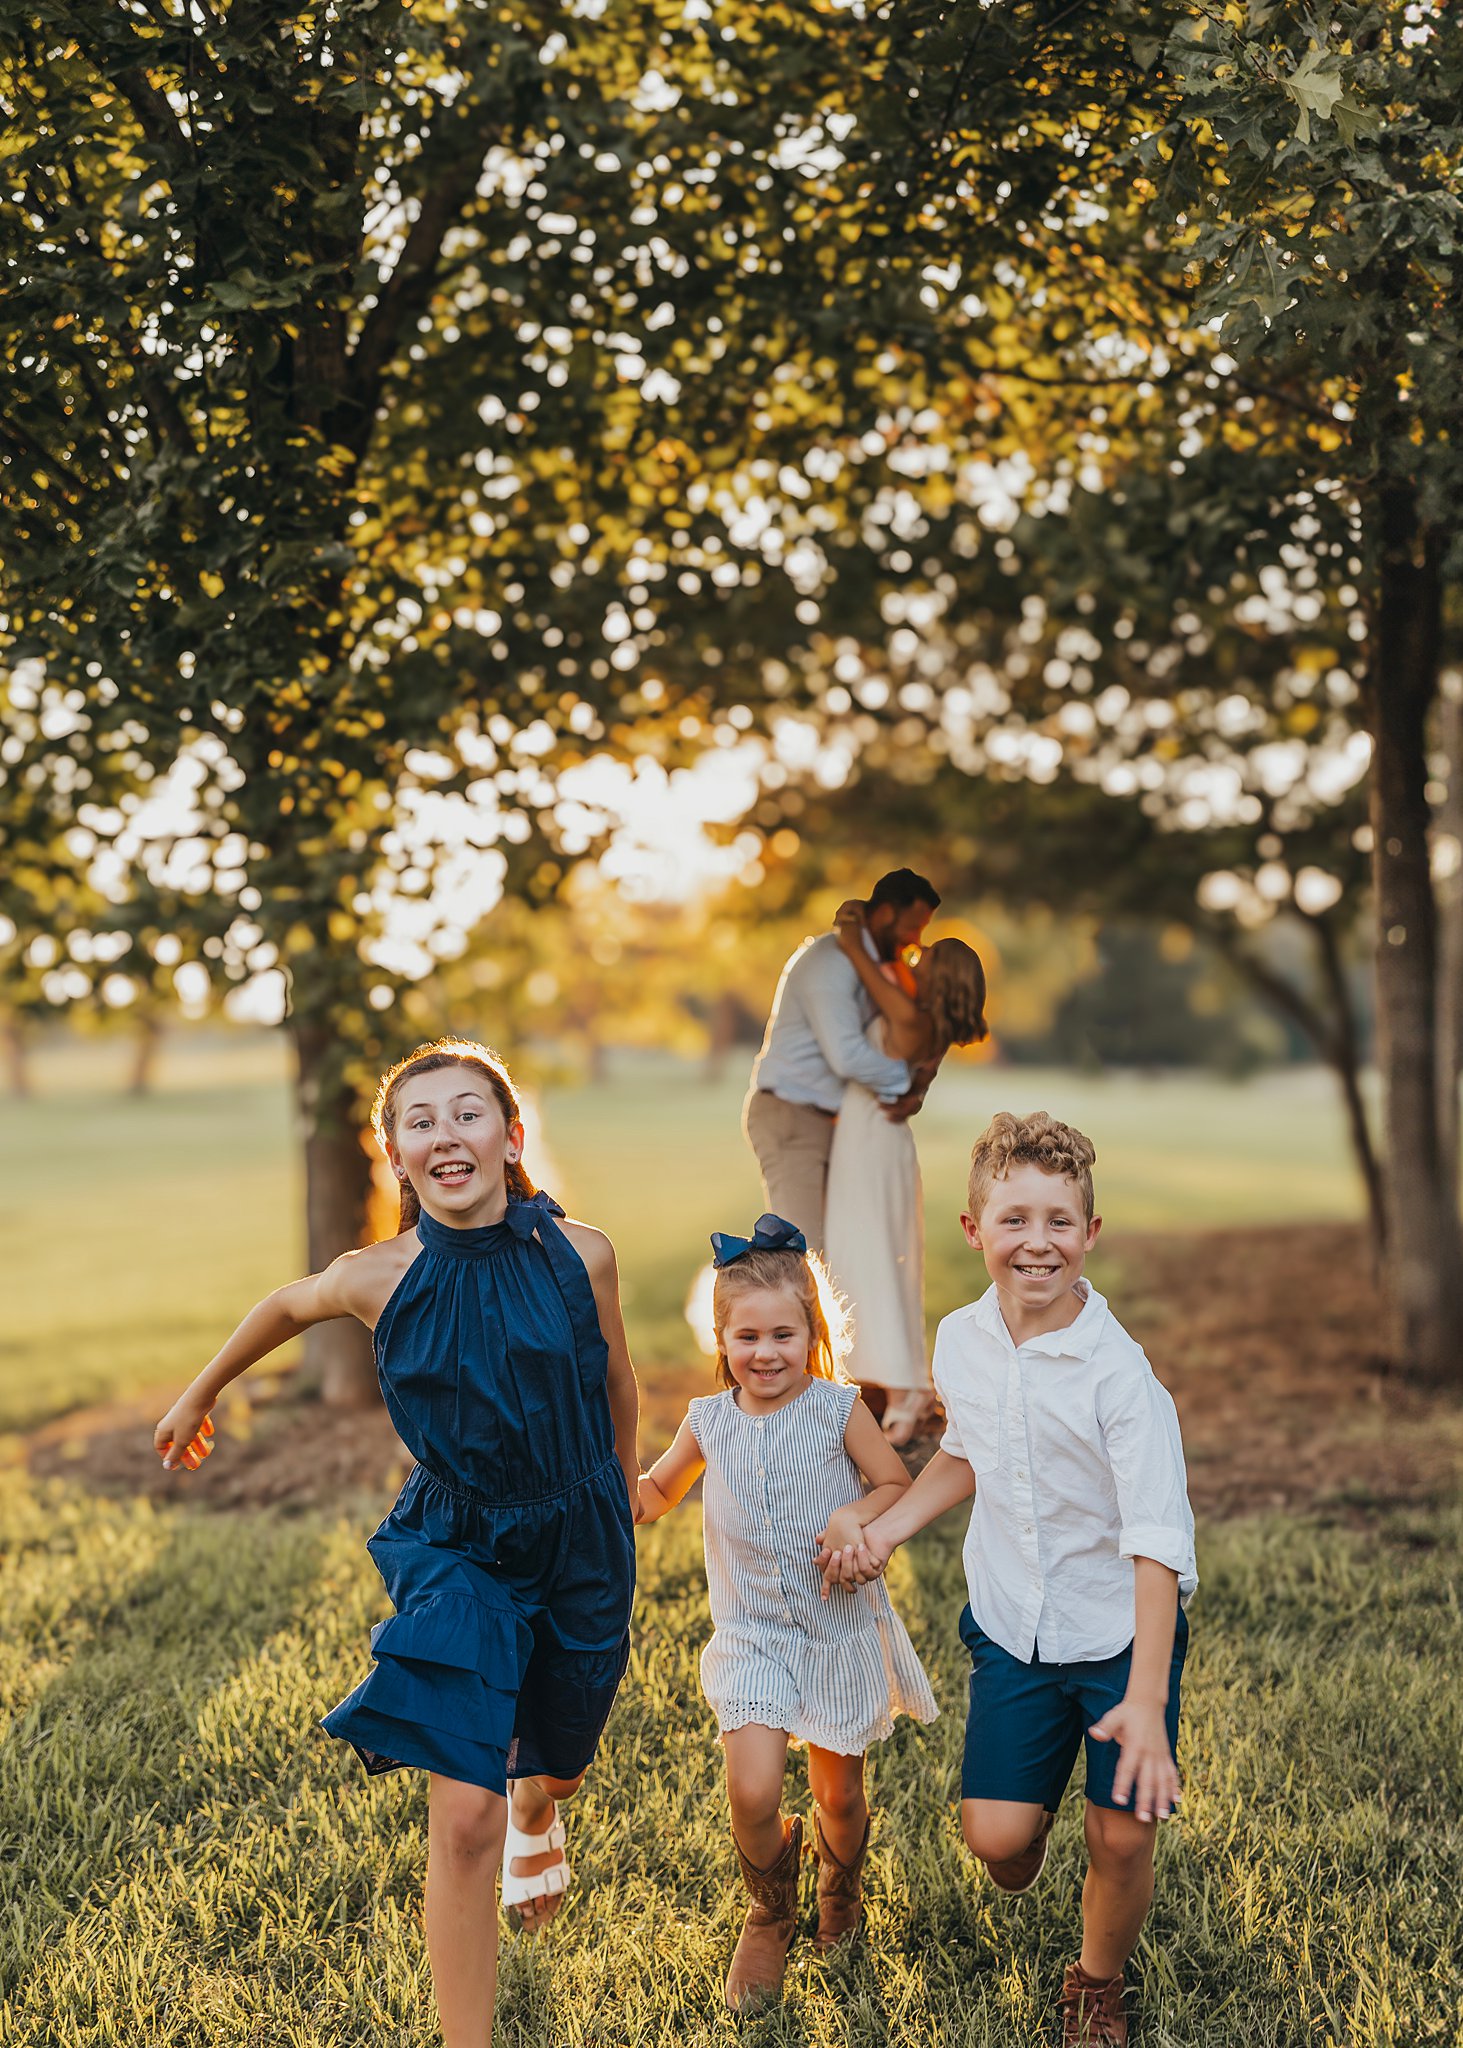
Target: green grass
{"points": [[191, 1864], [138, 1232]]}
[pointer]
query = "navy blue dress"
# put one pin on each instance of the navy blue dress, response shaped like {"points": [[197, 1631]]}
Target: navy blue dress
{"points": [[510, 1553]]}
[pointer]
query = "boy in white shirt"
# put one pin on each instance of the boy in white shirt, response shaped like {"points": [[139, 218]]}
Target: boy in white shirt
{"points": [[1080, 1556]]}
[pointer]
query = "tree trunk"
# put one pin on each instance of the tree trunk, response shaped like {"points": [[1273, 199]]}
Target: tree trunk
{"points": [[1333, 1034], [1424, 1265], [725, 1016], [145, 1048], [1449, 820], [17, 1062], [1345, 1062], [337, 1196]]}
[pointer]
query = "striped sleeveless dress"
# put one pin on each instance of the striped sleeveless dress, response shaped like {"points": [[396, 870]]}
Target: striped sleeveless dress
{"points": [[832, 1672]]}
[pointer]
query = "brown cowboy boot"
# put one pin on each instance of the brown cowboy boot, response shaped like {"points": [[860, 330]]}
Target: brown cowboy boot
{"points": [[840, 1892], [760, 1963], [1092, 2010]]}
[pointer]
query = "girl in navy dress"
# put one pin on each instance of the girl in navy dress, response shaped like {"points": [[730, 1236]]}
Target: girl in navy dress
{"points": [[783, 1448], [509, 1555]]}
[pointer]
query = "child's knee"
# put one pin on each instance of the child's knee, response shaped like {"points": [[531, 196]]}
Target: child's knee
{"points": [[997, 1829], [841, 1802], [1115, 1838], [754, 1796], [561, 1788], [468, 1824], [840, 1794]]}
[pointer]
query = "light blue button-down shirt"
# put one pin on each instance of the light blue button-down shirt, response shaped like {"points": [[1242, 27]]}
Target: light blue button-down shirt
{"points": [[816, 1039]]}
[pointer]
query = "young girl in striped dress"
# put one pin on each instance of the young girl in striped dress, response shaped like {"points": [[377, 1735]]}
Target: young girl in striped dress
{"points": [[792, 1658]]}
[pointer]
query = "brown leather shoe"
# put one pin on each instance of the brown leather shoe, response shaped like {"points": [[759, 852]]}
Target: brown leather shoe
{"points": [[840, 1893], [760, 1963], [1092, 2011], [1015, 1874]]}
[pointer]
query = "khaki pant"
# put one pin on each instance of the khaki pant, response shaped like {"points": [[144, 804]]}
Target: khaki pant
{"points": [[792, 1142]]}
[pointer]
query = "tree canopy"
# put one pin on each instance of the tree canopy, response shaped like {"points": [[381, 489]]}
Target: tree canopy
{"points": [[404, 403]]}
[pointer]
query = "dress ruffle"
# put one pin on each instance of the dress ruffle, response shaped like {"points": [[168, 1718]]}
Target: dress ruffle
{"points": [[840, 1696], [443, 1691]]}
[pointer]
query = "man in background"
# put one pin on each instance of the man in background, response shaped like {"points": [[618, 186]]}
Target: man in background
{"points": [[816, 1041]]}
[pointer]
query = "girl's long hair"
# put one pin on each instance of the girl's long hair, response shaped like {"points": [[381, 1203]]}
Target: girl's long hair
{"points": [[803, 1275], [448, 1052]]}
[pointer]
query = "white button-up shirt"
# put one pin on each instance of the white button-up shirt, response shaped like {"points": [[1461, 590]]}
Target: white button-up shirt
{"points": [[1079, 1468], [817, 1034]]}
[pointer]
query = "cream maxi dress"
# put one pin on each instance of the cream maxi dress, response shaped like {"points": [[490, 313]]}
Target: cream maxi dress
{"points": [[874, 1237]]}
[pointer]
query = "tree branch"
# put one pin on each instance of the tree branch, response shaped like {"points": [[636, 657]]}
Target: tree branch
{"points": [[79, 490], [1282, 993], [449, 176]]}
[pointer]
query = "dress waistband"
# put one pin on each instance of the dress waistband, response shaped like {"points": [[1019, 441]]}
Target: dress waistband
{"points": [[522, 1500]]}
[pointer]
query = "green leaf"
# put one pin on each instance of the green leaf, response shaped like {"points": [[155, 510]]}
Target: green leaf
{"points": [[1315, 85], [1356, 123]]}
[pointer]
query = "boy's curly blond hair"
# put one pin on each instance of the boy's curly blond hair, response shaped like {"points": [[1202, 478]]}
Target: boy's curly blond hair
{"points": [[1035, 1140]]}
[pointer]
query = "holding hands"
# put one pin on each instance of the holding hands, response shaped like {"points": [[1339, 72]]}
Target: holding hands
{"points": [[847, 1555]]}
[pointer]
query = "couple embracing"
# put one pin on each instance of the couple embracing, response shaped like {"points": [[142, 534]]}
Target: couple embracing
{"points": [[862, 1018]]}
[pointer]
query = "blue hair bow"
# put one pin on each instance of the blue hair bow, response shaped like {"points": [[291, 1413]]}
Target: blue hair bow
{"points": [[769, 1234]]}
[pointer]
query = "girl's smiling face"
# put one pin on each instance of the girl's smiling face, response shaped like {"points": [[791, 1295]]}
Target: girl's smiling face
{"points": [[453, 1144], [766, 1342]]}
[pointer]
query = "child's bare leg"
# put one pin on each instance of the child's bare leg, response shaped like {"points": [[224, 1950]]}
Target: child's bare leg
{"points": [[838, 1786], [534, 1802], [466, 1827], [1118, 1890], [756, 1763], [995, 1830]]}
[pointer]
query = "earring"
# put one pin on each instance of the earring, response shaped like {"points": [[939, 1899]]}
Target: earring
{"points": [[400, 1174]]}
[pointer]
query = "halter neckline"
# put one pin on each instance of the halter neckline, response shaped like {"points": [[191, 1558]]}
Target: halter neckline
{"points": [[521, 1219]]}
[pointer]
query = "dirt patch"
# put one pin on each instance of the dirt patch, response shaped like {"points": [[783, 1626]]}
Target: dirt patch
{"points": [[1268, 1339]]}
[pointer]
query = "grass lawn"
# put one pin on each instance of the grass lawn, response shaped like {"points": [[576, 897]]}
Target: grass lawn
{"points": [[138, 1232], [193, 1865]]}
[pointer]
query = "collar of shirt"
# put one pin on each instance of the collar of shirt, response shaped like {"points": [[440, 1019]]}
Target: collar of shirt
{"points": [[1078, 1340]]}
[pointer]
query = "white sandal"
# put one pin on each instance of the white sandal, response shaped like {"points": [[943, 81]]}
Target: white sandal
{"points": [[523, 1890]]}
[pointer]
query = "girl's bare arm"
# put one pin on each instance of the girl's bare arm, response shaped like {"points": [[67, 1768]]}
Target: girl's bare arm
{"points": [[885, 1476], [672, 1476], [598, 1255], [357, 1283]]}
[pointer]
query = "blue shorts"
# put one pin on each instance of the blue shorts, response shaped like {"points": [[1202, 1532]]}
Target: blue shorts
{"points": [[1028, 1721]]}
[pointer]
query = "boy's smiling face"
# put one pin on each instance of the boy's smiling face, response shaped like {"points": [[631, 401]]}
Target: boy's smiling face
{"points": [[1034, 1235]]}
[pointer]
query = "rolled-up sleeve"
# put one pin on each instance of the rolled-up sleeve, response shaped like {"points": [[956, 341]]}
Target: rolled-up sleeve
{"points": [[828, 987], [1140, 1429]]}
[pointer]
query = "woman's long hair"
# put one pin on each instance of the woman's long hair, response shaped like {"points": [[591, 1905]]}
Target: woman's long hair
{"points": [[448, 1052], [955, 994]]}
